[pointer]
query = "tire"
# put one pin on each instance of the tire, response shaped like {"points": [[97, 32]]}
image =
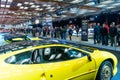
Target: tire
{"points": [[105, 71]]}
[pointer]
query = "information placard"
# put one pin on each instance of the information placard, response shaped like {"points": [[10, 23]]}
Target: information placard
{"points": [[84, 33]]}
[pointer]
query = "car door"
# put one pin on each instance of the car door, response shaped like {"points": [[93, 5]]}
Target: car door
{"points": [[73, 66], [20, 68]]}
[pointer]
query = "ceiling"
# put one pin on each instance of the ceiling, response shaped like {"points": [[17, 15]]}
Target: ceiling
{"points": [[18, 11]]}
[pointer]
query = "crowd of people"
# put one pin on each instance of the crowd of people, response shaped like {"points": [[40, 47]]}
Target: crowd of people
{"points": [[103, 34], [54, 32]]}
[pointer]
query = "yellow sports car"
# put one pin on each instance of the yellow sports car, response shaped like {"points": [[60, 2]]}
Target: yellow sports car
{"points": [[56, 60], [19, 37]]}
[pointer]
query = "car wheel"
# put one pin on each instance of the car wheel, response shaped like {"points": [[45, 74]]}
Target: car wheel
{"points": [[105, 71]]}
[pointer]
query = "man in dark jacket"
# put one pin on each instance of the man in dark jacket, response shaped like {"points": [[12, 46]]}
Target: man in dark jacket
{"points": [[70, 32], [113, 33], [95, 33], [104, 33]]}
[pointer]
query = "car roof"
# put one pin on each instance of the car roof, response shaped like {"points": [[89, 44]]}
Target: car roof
{"points": [[14, 35], [25, 44]]}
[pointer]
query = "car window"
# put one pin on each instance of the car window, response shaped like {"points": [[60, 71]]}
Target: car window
{"points": [[73, 53], [19, 58], [45, 55], [53, 54], [61, 54]]}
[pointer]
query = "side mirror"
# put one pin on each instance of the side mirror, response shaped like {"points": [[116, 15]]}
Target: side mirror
{"points": [[89, 57]]}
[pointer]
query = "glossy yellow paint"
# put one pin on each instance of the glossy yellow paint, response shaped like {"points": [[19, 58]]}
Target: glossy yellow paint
{"points": [[17, 39], [36, 38], [101, 56], [75, 69], [70, 70]]}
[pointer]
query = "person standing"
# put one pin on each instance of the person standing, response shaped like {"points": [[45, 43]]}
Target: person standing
{"points": [[104, 33], [70, 32], [52, 30], [107, 27], [112, 33], [64, 32], [44, 31], [118, 35], [99, 32], [61, 32], [39, 31], [33, 32], [77, 30], [95, 33]]}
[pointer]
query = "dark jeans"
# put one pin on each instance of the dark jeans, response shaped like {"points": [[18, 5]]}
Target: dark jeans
{"points": [[112, 40], [64, 36], [96, 38], [99, 38], [118, 40], [105, 40], [70, 37]]}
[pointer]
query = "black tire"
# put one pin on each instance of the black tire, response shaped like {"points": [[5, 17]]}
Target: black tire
{"points": [[105, 71]]}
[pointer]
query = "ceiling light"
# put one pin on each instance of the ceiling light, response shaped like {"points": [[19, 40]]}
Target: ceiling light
{"points": [[51, 10], [91, 11], [48, 5], [18, 13], [23, 12], [52, 7], [25, 7], [58, 7], [9, 11], [3, 0], [41, 9], [64, 16], [82, 11], [38, 14], [107, 2], [48, 8], [19, 4], [26, 13], [34, 13], [37, 6], [59, 0], [37, 21], [44, 5], [33, 6], [2, 5], [90, 4], [101, 6], [21, 7], [116, 4], [65, 11], [5, 12], [31, 3], [12, 12], [110, 7], [7, 6], [10, 0], [73, 9], [1, 12], [15, 13], [37, 9], [76, 1], [26, 2]]}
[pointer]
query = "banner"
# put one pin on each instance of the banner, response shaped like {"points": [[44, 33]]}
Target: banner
{"points": [[84, 33]]}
